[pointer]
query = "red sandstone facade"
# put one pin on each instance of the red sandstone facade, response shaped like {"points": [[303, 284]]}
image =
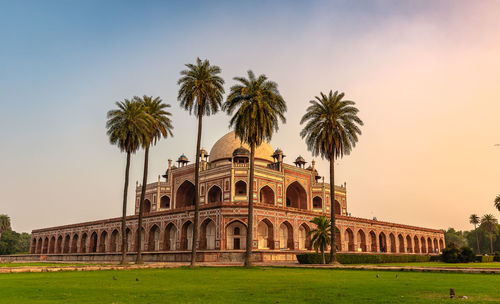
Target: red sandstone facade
{"points": [[286, 198]]}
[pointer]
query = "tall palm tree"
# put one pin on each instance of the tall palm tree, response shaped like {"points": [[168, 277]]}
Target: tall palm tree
{"points": [[321, 235], [161, 126], [331, 131], [497, 202], [257, 106], [128, 127], [475, 220], [489, 222], [4, 223], [201, 90]]}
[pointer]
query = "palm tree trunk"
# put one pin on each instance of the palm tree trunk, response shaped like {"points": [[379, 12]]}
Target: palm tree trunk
{"points": [[248, 255], [477, 240], [124, 212], [333, 249], [141, 205], [197, 195], [323, 255], [491, 242]]}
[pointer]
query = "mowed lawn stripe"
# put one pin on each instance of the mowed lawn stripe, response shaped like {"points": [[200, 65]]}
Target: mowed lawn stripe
{"points": [[237, 285]]}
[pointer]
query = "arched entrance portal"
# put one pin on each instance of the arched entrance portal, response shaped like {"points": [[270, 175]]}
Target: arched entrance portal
{"points": [[236, 236], [187, 236], [296, 196], [361, 241], [185, 195], [207, 235], [170, 237], [305, 237], [214, 195], [349, 239], [265, 234], [382, 242], [286, 236], [154, 238]]}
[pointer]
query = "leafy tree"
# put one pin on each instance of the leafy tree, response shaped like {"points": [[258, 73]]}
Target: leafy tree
{"points": [[331, 131], [489, 222], [4, 223], [457, 238], [475, 220], [12, 242], [257, 106], [128, 127], [201, 91], [321, 238], [160, 126], [497, 202]]}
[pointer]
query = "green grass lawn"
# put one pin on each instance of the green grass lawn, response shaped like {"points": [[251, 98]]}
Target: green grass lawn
{"points": [[24, 264], [441, 264], [238, 285]]}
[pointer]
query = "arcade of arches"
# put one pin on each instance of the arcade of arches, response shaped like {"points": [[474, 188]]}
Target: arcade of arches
{"points": [[286, 198]]}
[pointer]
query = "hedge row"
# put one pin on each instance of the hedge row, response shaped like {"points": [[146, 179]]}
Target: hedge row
{"points": [[484, 258], [346, 258]]}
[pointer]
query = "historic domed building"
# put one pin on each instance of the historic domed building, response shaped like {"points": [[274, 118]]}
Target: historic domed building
{"points": [[286, 198]]}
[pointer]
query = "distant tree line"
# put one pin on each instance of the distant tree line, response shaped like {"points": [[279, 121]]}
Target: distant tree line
{"points": [[12, 242]]}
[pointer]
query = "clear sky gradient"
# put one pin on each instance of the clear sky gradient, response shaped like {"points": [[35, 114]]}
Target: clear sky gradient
{"points": [[424, 74]]}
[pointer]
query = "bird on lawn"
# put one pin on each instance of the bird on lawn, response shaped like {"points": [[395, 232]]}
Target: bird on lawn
{"points": [[377, 276], [396, 276], [136, 279], [114, 278]]}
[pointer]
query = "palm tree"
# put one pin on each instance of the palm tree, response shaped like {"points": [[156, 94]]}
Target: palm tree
{"points": [[201, 90], [4, 223], [475, 220], [128, 127], [497, 202], [489, 222], [257, 106], [331, 131], [161, 126], [321, 235]]}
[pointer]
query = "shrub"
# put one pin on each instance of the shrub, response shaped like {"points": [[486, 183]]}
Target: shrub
{"points": [[452, 254], [347, 258], [496, 258], [487, 258], [435, 258]]}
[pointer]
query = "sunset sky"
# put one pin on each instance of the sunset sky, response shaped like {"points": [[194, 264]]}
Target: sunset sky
{"points": [[425, 76]]}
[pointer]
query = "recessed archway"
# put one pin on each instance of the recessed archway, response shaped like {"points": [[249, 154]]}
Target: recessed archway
{"points": [[317, 202], [52, 244], [416, 244], [240, 188], [39, 246], [338, 208], [103, 241], [296, 196], [59, 244], [436, 246], [129, 239], [146, 207], [214, 195], [187, 236], [441, 245], [429, 245], [113, 242], [286, 236], [267, 195], [170, 237], [373, 241], [409, 245], [185, 195], [66, 244], [265, 234], [361, 240], [349, 239], [305, 237], [236, 233], [83, 243], [154, 238], [401, 242], [93, 242], [382, 241], [423, 244], [207, 235], [165, 202]]}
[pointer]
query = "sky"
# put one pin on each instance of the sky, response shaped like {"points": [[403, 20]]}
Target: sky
{"points": [[425, 76]]}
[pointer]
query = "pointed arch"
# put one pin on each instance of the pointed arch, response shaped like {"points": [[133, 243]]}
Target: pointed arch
{"points": [[66, 244], [305, 237], [214, 195], [154, 238], [165, 202], [409, 245], [423, 244], [93, 242], [83, 243], [186, 194], [373, 241], [39, 246], [59, 244], [429, 245], [146, 208], [170, 237], [382, 240], [436, 246], [286, 236], [265, 234], [338, 208], [317, 202], [103, 242], [187, 236], [129, 240], [207, 234], [416, 244], [361, 238], [296, 196], [266, 195], [240, 188], [349, 239], [114, 241], [441, 245], [236, 235]]}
